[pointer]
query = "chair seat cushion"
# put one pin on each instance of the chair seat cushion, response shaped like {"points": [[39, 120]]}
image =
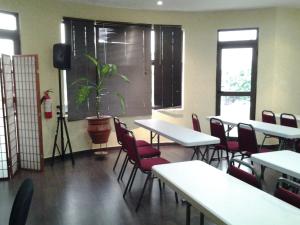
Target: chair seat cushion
{"points": [[140, 143], [148, 151], [146, 164], [233, 146], [288, 197]]}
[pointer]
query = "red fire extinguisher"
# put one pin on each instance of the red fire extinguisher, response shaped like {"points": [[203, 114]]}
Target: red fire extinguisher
{"points": [[47, 104]]}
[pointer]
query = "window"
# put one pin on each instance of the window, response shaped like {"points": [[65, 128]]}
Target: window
{"points": [[9, 33], [149, 55], [167, 66], [9, 45], [123, 44], [237, 53]]}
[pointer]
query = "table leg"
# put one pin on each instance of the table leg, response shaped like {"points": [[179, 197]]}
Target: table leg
{"points": [[158, 145], [201, 219], [188, 214]]}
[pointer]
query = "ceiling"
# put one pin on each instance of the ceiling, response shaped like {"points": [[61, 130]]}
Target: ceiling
{"points": [[191, 5]]}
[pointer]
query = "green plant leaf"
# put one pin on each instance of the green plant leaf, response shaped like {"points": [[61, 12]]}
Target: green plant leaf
{"points": [[105, 70], [124, 78], [83, 93], [92, 59], [114, 69], [80, 80], [122, 101]]}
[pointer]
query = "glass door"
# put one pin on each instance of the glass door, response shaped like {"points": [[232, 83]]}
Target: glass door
{"points": [[236, 78]]}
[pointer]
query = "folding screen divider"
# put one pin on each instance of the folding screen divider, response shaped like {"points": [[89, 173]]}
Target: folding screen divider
{"points": [[21, 130]]}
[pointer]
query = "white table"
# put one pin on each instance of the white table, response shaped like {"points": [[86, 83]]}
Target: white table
{"points": [[181, 135], [267, 128], [284, 161], [223, 198]]}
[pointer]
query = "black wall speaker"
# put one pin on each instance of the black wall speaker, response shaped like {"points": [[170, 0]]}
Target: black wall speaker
{"points": [[62, 56]]}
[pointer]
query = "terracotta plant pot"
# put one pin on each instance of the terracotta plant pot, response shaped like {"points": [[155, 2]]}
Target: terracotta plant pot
{"points": [[99, 129]]}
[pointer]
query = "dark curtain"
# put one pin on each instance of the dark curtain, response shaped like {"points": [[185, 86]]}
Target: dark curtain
{"points": [[128, 46], [167, 66], [80, 35]]}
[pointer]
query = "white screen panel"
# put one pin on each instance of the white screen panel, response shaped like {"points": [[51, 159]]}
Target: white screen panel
{"points": [[9, 105], [28, 111]]}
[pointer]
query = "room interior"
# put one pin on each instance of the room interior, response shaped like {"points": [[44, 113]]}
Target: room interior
{"points": [[277, 79]]}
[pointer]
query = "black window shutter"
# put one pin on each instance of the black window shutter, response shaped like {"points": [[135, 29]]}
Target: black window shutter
{"points": [[168, 66], [80, 35]]}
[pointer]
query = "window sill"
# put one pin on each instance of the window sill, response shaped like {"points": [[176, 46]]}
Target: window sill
{"points": [[173, 112]]}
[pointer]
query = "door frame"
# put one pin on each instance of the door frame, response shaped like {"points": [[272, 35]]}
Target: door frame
{"points": [[252, 94]]}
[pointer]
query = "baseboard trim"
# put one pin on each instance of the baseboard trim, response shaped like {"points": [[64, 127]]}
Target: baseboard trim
{"points": [[90, 152]]}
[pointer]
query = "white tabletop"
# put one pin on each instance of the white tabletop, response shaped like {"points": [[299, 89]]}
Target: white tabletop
{"points": [[267, 128], [284, 161], [297, 116], [223, 198], [181, 135]]}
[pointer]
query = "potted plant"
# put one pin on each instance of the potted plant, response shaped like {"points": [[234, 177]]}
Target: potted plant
{"points": [[99, 125]]}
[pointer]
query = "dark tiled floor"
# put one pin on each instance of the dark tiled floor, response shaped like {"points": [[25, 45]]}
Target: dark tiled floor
{"points": [[89, 194]]}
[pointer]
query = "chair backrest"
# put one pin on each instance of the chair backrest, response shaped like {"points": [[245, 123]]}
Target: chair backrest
{"points": [[268, 117], [247, 138], [288, 120], [21, 205], [287, 195], [119, 127], [250, 178], [129, 143], [217, 130], [196, 123]]}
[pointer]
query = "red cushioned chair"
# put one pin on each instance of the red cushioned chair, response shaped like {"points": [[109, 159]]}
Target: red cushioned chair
{"points": [[288, 120], [217, 130], [196, 127], [145, 151], [250, 178], [287, 195], [248, 143], [196, 123], [268, 117], [297, 146], [143, 164]]}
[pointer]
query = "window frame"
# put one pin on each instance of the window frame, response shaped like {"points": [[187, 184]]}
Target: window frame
{"points": [[13, 35], [237, 44]]}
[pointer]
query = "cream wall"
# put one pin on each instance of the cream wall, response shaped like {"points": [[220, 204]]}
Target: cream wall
{"points": [[40, 21], [286, 88]]}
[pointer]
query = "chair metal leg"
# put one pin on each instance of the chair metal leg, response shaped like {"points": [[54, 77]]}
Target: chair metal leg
{"points": [[262, 144], [141, 196], [129, 181], [212, 156], [227, 157], [188, 214], [159, 183], [132, 179], [193, 154], [122, 168], [120, 151]]}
